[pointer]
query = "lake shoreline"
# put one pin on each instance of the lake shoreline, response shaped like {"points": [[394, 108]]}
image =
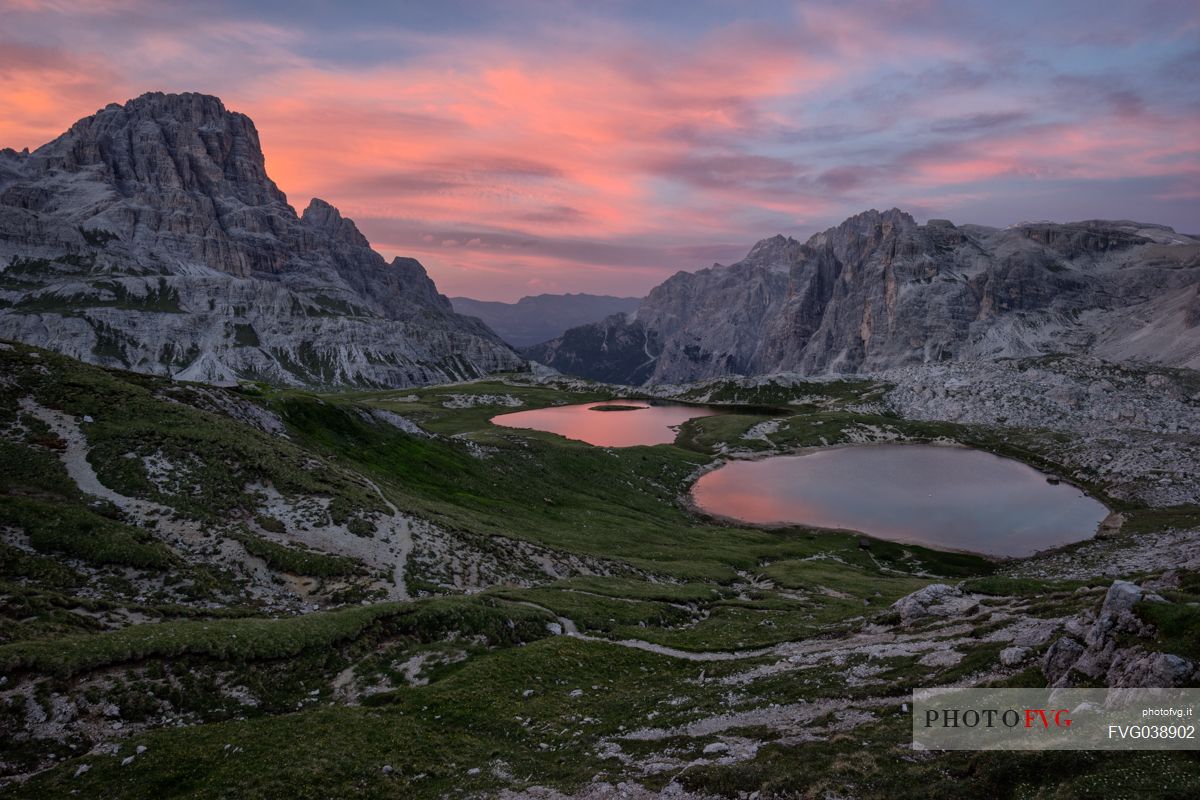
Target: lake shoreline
{"points": [[1039, 503]]}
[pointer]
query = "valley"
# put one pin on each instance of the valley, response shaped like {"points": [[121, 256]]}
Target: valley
{"points": [[295, 591], [536, 319]]}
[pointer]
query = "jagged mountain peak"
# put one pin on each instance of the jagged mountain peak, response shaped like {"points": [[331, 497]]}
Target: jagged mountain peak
{"points": [[777, 251], [871, 225], [175, 104], [872, 221], [166, 142], [159, 243], [322, 216]]}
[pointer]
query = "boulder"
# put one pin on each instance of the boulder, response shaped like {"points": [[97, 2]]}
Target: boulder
{"points": [[941, 658], [935, 600], [1012, 656], [1138, 668], [1060, 659], [1170, 579]]}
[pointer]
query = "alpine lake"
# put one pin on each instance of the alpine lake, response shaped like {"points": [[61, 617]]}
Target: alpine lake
{"points": [[941, 496]]}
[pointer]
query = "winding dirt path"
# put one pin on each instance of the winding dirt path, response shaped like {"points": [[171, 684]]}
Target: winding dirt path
{"points": [[74, 458], [401, 540]]}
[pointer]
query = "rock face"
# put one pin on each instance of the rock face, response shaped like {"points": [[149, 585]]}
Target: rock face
{"points": [[150, 237], [536, 319], [880, 291]]}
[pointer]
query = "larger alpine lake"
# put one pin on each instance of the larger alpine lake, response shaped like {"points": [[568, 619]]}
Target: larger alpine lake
{"points": [[949, 498]]}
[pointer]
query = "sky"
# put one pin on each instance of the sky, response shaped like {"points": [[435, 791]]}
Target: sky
{"points": [[529, 146]]}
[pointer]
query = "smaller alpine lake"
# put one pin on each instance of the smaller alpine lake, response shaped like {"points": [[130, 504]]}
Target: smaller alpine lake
{"points": [[612, 423], [945, 497]]}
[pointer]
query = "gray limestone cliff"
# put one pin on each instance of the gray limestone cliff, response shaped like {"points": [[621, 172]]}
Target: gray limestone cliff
{"points": [[149, 236], [880, 291]]}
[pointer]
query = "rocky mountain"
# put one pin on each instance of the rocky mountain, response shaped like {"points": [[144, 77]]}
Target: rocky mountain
{"points": [[149, 236], [880, 291], [539, 318]]}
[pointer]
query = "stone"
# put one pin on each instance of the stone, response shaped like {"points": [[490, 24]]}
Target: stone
{"points": [[715, 747], [934, 600], [1137, 668], [1060, 658], [1012, 656], [1121, 597], [1116, 614], [940, 658], [1171, 579]]}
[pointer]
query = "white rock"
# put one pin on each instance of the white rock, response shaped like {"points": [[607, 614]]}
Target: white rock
{"points": [[940, 658], [935, 600], [1011, 656]]}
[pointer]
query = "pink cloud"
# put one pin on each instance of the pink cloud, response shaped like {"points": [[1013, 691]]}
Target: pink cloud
{"points": [[559, 158]]}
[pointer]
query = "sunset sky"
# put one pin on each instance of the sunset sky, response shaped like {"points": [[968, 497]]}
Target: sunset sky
{"points": [[521, 147]]}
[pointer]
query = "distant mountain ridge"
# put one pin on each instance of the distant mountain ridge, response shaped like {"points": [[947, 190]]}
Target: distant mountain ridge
{"points": [[539, 318], [149, 236], [880, 291]]}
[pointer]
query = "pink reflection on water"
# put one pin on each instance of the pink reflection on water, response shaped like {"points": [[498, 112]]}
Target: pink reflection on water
{"points": [[648, 424], [946, 497]]}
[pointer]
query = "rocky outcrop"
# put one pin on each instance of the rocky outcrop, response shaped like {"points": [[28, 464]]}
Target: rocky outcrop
{"points": [[1106, 654], [1059, 659], [880, 291], [937, 600], [149, 236]]}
